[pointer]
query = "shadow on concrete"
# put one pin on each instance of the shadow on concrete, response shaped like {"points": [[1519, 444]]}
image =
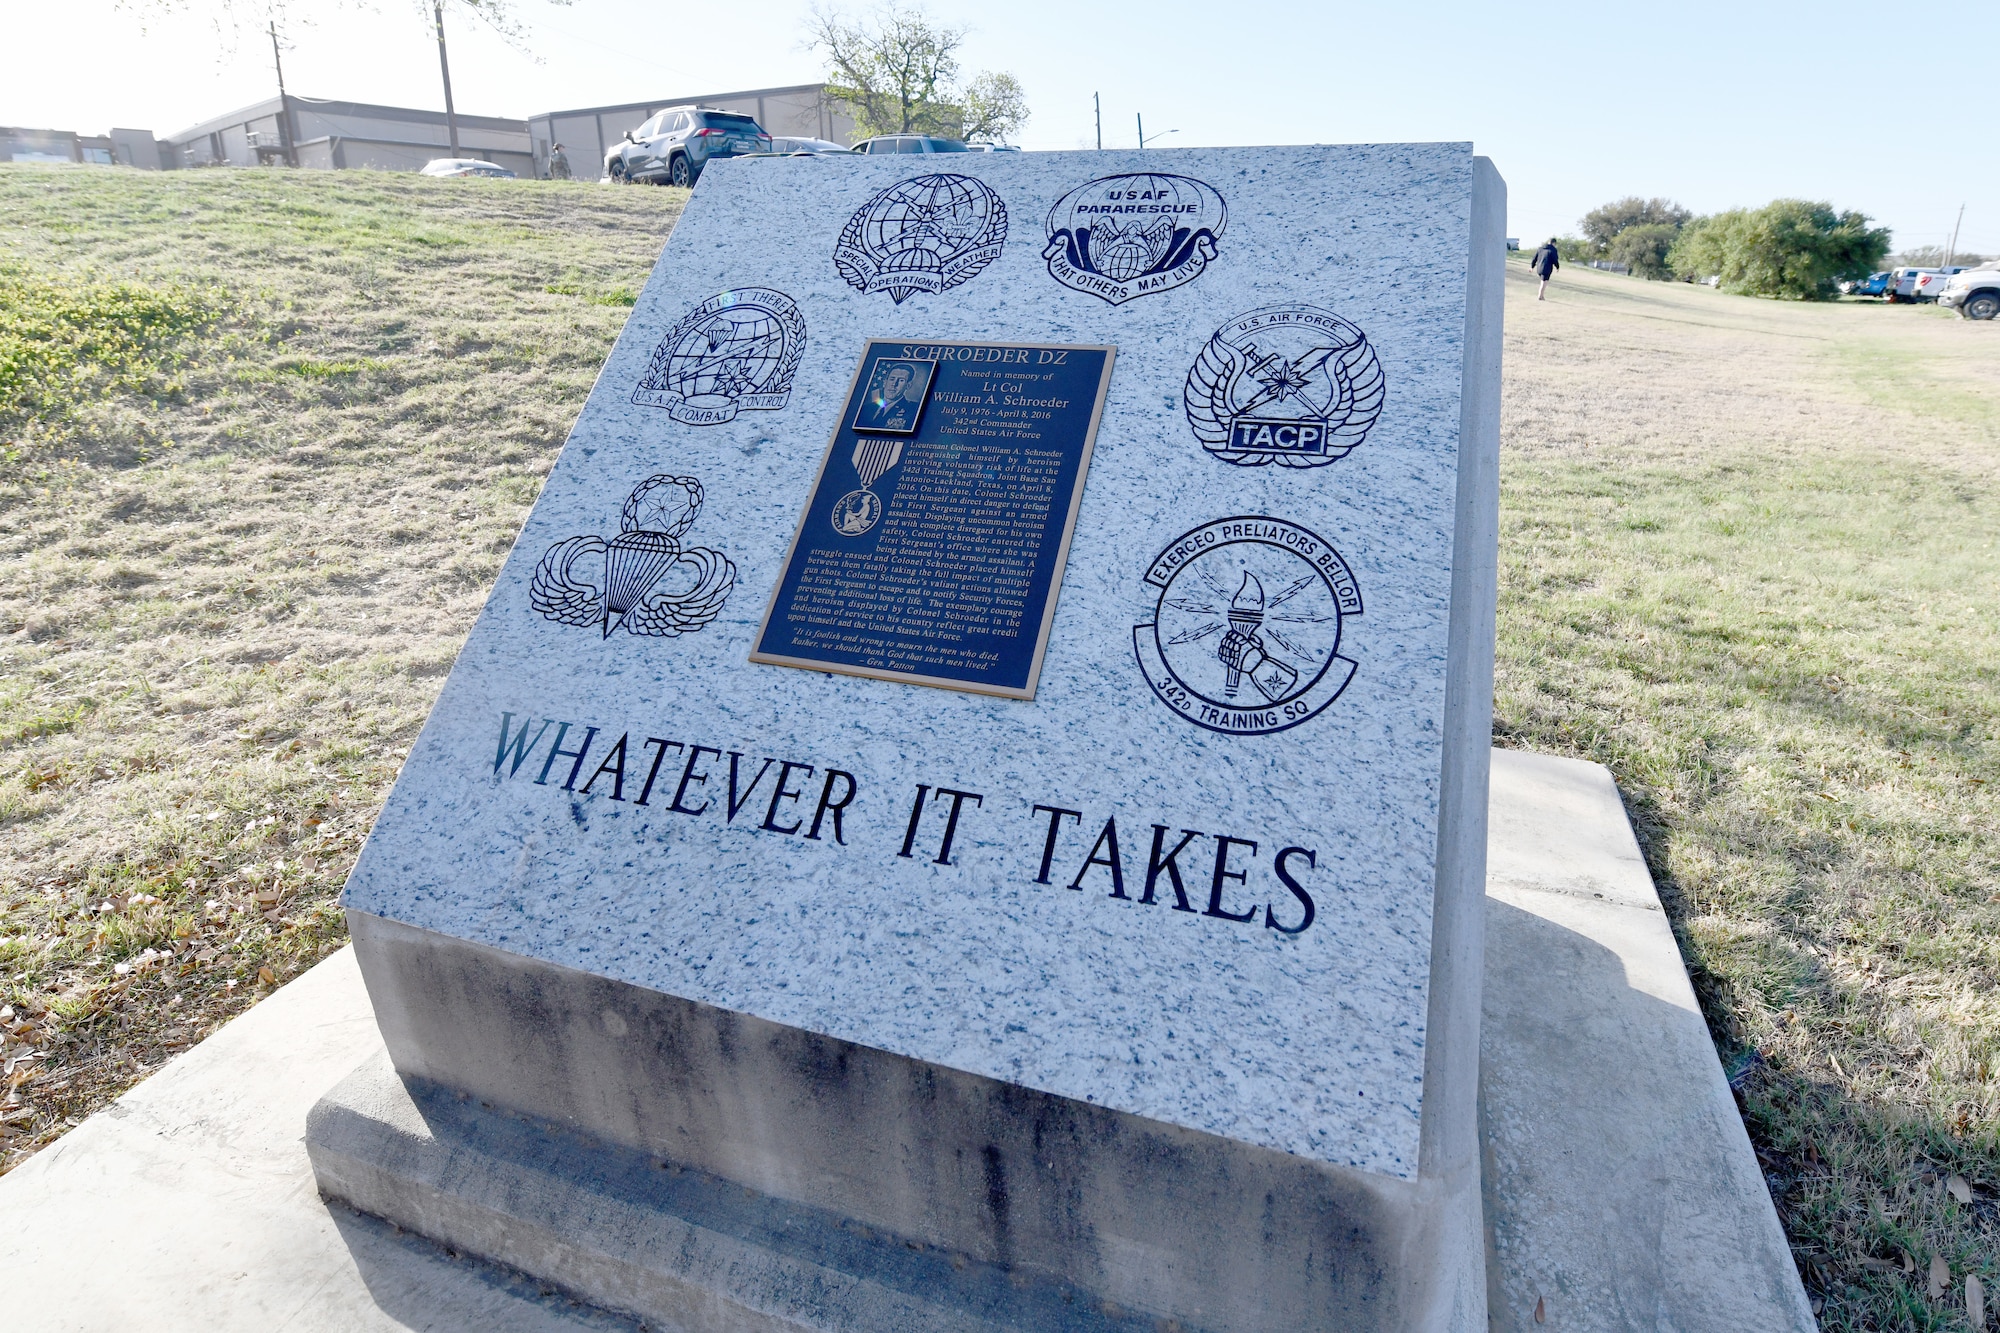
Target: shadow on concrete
{"points": [[1621, 1188], [422, 1285]]}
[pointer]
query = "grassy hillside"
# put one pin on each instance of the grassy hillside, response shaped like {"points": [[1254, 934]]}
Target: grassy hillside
{"points": [[251, 499], [264, 440]]}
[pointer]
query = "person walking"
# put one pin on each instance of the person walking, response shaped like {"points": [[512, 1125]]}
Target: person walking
{"points": [[1545, 263], [558, 163]]}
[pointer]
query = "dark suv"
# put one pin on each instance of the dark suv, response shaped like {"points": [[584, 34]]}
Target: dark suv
{"points": [[675, 144]]}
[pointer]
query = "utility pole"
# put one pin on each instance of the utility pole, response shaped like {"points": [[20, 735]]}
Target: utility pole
{"points": [[1141, 118], [285, 103], [450, 115], [1952, 253], [1097, 104], [1142, 133]]}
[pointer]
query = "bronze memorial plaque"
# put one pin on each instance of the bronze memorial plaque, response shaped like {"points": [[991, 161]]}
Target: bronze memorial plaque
{"points": [[932, 546]]}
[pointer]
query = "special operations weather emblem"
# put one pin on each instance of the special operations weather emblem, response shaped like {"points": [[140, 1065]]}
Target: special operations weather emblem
{"points": [[1125, 236], [925, 234], [1293, 385], [1245, 637], [734, 352]]}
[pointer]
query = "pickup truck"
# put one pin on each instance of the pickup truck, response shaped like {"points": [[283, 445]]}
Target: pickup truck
{"points": [[1873, 285], [1903, 284], [1932, 283], [1973, 292]]}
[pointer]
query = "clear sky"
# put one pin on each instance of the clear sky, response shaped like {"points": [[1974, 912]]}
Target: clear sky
{"points": [[1714, 104]]}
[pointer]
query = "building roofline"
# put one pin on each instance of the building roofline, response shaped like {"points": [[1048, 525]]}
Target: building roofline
{"points": [[270, 106]]}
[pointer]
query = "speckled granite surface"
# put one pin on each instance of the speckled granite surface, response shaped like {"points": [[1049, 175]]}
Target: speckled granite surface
{"points": [[1307, 1040]]}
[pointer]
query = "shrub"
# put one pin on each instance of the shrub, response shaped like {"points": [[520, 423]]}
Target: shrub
{"points": [[1791, 248]]}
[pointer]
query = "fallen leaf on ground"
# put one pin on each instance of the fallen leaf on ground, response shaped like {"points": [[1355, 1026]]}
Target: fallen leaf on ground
{"points": [[267, 976], [1960, 1190], [1940, 1277], [1975, 1303], [1541, 1310]]}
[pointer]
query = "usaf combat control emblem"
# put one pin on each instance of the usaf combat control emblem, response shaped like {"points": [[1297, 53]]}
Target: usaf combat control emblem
{"points": [[643, 580], [1127, 236], [1292, 385], [733, 352], [926, 234], [1245, 638]]}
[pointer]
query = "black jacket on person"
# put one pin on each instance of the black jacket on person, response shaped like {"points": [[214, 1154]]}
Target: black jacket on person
{"points": [[1545, 262]]}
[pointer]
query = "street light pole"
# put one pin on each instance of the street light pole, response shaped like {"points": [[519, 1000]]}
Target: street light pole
{"points": [[1097, 104], [444, 66], [1952, 253], [284, 103]]}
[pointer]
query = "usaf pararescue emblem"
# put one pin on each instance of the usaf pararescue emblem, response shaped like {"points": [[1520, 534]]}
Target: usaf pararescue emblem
{"points": [[1245, 638], [643, 581], [1126, 236], [733, 352], [1292, 385], [926, 234]]}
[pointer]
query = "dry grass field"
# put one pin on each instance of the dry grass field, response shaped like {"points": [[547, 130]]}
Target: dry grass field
{"points": [[1748, 561], [251, 499]]}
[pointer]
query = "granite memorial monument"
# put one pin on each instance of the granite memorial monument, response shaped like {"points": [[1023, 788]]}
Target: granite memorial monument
{"points": [[965, 807]]}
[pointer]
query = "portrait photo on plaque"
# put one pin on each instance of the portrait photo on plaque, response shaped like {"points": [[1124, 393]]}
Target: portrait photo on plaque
{"points": [[933, 555], [892, 402]]}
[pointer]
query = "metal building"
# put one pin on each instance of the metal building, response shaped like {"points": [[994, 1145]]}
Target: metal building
{"points": [[327, 134]]}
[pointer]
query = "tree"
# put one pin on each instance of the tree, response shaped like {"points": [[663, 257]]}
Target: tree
{"points": [[995, 107], [1602, 225], [1791, 248], [1643, 248], [898, 73]]}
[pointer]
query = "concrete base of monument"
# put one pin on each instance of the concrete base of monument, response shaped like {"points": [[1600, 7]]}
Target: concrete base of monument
{"points": [[704, 1169], [1620, 1189]]}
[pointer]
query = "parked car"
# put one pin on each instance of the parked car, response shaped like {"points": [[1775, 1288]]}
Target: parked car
{"points": [[675, 144], [1932, 283], [1973, 292], [788, 146], [464, 166], [910, 143], [1873, 285]]}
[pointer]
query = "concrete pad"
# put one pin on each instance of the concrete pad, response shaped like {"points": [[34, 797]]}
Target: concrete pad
{"points": [[188, 1203], [1621, 1191]]}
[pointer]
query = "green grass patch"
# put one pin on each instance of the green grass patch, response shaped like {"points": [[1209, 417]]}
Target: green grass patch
{"points": [[68, 338]]}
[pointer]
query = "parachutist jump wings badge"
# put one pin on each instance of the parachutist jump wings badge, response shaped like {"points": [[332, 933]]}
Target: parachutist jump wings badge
{"points": [[643, 580], [735, 351], [925, 234], [1126, 236], [1292, 385]]}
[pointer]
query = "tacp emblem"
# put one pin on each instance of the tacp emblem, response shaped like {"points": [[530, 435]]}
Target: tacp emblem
{"points": [[1126, 236], [736, 351], [926, 234], [643, 580], [1292, 385], [1245, 637]]}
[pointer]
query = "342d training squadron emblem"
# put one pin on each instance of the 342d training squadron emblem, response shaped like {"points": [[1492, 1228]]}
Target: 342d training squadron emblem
{"points": [[643, 580], [736, 351], [1126, 236], [926, 234], [1292, 385], [1245, 639]]}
